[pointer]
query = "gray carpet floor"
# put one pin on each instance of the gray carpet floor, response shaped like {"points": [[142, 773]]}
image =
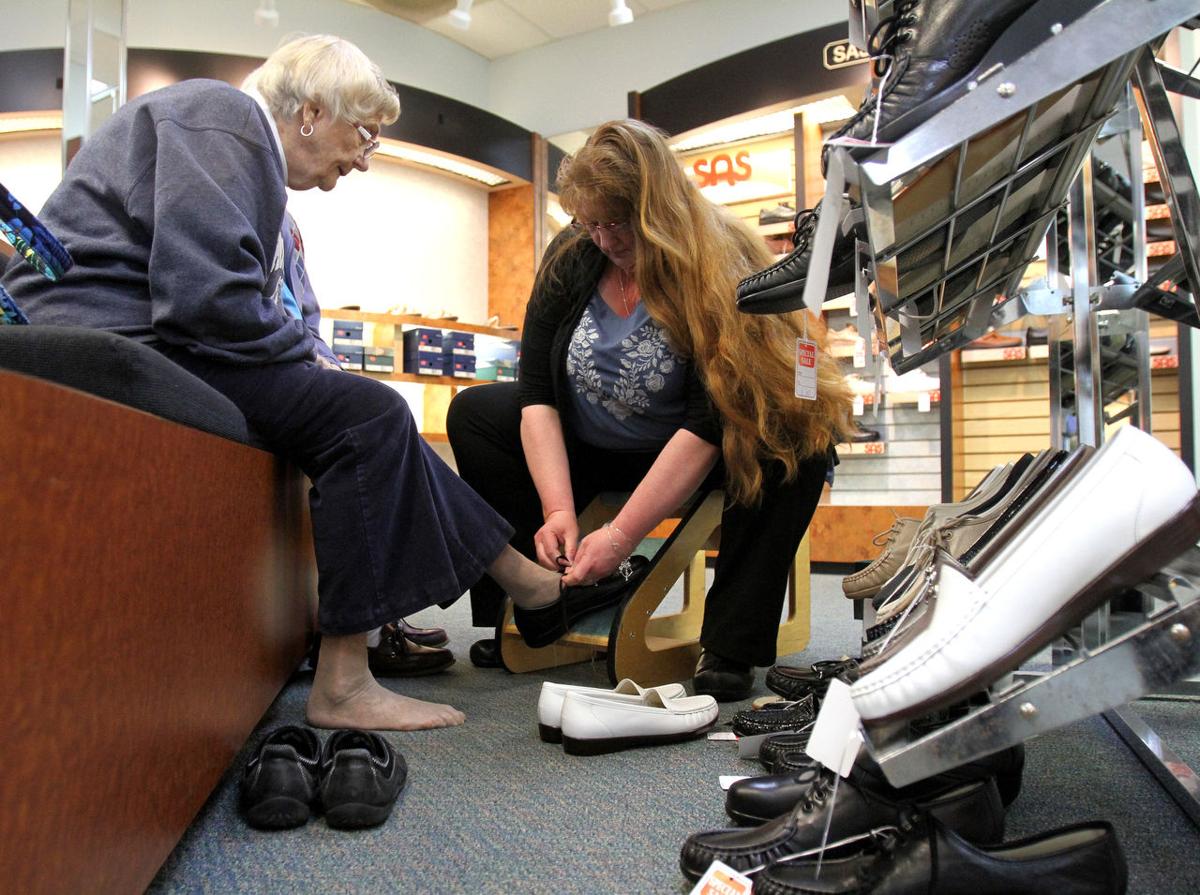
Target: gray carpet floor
{"points": [[490, 808]]}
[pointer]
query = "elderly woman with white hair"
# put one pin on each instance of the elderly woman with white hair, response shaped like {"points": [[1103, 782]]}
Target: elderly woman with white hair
{"points": [[173, 213]]}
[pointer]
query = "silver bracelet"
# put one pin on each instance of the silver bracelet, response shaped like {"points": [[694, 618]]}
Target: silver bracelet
{"points": [[625, 567]]}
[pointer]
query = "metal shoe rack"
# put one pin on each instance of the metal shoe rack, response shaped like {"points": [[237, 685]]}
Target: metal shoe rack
{"points": [[955, 210]]}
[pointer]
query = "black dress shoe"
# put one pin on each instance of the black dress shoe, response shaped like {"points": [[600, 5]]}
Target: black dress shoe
{"points": [[486, 653], [924, 856], [423, 636], [541, 627], [934, 50], [757, 800], [361, 776], [723, 679], [780, 288], [776, 717], [396, 656], [779, 744], [973, 810], [278, 783], [794, 682]]}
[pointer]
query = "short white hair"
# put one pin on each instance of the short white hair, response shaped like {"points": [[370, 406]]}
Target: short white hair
{"points": [[330, 72]]}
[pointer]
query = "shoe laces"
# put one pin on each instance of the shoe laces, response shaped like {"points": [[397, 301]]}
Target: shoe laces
{"points": [[804, 227]]}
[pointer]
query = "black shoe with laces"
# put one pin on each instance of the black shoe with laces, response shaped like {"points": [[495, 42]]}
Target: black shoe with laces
{"points": [[279, 781], [779, 288], [361, 776]]}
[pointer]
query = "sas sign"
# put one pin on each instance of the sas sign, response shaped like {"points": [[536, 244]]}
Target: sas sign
{"points": [[842, 53]]}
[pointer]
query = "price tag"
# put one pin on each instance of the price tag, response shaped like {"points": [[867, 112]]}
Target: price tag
{"points": [[723, 736], [859, 405], [806, 369], [721, 879], [727, 780], [860, 352], [923, 402], [837, 734]]}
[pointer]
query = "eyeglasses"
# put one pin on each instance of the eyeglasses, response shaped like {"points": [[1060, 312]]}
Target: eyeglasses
{"points": [[371, 144], [610, 227]]}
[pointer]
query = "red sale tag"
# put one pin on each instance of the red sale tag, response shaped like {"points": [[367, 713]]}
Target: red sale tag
{"points": [[806, 369]]}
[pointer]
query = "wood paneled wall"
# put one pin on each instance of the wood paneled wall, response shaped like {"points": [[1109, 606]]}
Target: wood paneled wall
{"points": [[512, 257]]}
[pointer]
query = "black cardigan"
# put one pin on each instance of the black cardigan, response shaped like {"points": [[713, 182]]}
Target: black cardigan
{"points": [[554, 311]]}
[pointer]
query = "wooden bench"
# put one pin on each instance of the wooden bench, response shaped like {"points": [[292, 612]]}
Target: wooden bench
{"points": [[159, 587], [657, 649]]}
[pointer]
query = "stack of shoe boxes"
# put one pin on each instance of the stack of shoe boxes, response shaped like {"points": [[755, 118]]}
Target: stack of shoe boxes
{"points": [[423, 351], [458, 355], [496, 359], [348, 343], [378, 359]]}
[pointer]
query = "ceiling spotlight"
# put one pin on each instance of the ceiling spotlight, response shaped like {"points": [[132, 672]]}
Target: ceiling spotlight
{"points": [[620, 15], [460, 16], [266, 15]]}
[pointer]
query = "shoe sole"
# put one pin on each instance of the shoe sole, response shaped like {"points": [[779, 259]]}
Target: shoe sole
{"points": [[573, 746], [356, 815], [278, 813], [384, 672], [550, 734], [1131, 569]]}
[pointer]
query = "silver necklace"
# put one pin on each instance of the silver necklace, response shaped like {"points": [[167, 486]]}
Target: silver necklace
{"points": [[624, 297]]}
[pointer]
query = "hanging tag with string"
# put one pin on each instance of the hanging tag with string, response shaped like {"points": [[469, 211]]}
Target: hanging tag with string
{"points": [[806, 364]]}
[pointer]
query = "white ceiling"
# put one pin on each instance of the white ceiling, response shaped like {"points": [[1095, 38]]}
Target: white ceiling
{"points": [[502, 27]]}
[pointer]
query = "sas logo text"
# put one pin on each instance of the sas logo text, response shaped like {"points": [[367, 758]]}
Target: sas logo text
{"points": [[841, 53], [710, 172]]}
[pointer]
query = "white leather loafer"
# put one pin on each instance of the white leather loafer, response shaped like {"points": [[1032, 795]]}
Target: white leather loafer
{"points": [[1131, 509], [550, 702], [593, 725]]}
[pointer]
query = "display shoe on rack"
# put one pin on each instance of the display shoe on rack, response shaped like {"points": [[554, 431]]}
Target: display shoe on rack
{"points": [[866, 582], [597, 724], [779, 214], [397, 656], [544, 625], [279, 782], [795, 682], [775, 717], [1129, 510], [361, 775], [973, 810], [725, 680], [757, 800], [997, 339], [926, 54], [860, 434], [922, 855], [550, 702], [779, 288], [423, 636]]}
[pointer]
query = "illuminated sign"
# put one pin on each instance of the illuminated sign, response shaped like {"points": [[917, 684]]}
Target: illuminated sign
{"points": [[842, 53]]}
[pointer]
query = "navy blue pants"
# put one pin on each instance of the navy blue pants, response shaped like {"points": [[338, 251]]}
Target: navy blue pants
{"points": [[395, 529], [742, 608]]}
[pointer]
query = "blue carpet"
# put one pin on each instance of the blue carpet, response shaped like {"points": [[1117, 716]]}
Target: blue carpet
{"points": [[490, 808]]}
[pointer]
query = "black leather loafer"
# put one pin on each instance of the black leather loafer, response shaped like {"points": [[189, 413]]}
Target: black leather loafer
{"points": [[279, 781], [361, 776], [423, 636], [972, 810], [776, 717], [396, 656], [779, 744], [723, 679], [793, 682], [541, 627], [925, 856], [486, 653]]}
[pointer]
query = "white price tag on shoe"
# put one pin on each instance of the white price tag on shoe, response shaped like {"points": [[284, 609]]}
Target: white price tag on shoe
{"points": [[859, 405], [806, 369], [721, 879], [860, 352], [837, 734], [727, 780], [923, 402]]}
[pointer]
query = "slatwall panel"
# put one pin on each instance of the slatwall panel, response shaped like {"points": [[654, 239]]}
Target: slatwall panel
{"points": [[1006, 412], [909, 470]]}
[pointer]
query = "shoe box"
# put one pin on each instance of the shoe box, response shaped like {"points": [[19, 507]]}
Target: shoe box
{"points": [[458, 355], [496, 359], [423, 351], [379, 360]]}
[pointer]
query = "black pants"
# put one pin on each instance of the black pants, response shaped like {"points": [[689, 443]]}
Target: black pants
{"points": [[758, 543], [395, 529]]}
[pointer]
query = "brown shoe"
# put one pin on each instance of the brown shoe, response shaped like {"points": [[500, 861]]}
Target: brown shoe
{"points": [[866, 582], [397, 656], [423, 636]]}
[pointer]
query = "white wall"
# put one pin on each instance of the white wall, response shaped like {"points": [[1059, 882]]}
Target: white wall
{"points": [[583, 81], [30, 165]]}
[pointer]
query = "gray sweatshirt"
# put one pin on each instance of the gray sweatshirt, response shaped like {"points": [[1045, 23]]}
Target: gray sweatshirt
{"points": [[173, 214]]}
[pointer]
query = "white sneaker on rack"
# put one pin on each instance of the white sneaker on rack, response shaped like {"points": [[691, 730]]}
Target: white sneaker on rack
{"points": [[913, 381]]}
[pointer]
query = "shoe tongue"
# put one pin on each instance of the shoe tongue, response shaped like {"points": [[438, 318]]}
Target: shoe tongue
{"points": [[353, 739]]}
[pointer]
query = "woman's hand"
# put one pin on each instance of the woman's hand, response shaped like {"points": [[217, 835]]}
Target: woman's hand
{"points": [[556, 541], [598, 556]]}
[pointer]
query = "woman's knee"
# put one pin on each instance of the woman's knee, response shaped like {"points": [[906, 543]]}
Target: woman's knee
{"points": [[476, 410]]}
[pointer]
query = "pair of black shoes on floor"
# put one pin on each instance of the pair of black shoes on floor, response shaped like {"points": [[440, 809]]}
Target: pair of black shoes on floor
{"points": [[354, 779]]}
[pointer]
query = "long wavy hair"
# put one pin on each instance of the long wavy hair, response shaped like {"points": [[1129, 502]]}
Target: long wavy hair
{"points": [[690, 256]]}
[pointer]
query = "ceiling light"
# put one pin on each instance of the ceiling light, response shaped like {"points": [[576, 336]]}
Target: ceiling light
{"points": [[460, 16], [22, 122], [417, 156], [833, 108], [620, 15]]}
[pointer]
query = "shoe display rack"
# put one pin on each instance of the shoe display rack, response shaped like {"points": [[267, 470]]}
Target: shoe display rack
{"points": [[955, 211]]}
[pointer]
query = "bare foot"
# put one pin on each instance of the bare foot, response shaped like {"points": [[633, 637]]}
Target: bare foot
{"points": [[371, 706]]}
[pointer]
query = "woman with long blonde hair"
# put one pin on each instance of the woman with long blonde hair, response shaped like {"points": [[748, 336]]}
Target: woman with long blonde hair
{"points": [[638, 373]]}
